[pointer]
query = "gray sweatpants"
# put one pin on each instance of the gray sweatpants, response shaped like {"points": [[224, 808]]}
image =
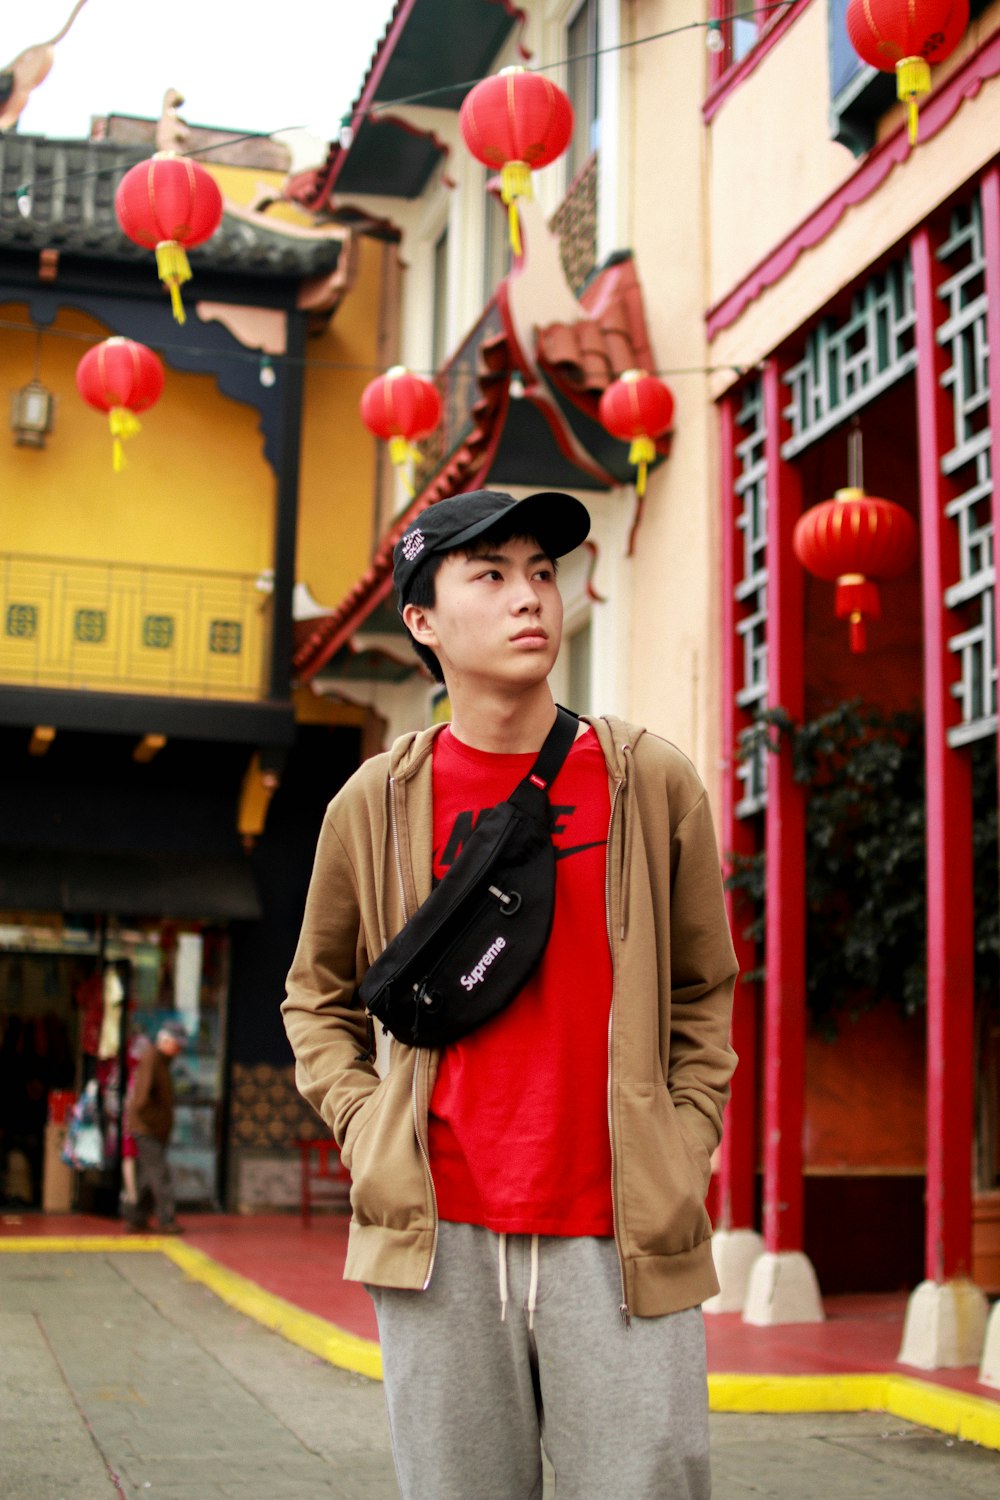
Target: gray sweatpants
{"points": [[475, 1388], [155, 1184]]}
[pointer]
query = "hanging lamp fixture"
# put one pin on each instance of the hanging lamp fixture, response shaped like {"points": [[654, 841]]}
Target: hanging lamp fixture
{"points": [[122, 378], [856, 540], [515, 123], [169, 204], [400, 407], [906, 37]]}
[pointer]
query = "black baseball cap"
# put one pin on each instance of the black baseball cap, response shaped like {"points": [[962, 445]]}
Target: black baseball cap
{"points": [[558, 522]]}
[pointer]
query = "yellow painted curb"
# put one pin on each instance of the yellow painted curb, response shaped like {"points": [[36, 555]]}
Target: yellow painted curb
{"points": [[797, 1393], [957, 1413], [970, 1417], [32, 1243], [346, 1350]]}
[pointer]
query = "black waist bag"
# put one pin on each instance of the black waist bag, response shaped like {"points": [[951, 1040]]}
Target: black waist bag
{"points": [[466, 953]]}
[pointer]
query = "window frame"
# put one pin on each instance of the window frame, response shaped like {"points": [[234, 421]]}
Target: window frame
{"points": [[725, 75], [440, 273], [589, 73]]}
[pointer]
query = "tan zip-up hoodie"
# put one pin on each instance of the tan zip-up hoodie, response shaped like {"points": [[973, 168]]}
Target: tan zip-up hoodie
{"points": [[669, 1056]]}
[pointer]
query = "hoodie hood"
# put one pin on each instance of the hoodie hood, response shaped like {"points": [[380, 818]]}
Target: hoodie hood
{"points": [[409, 751], [617, 739]]}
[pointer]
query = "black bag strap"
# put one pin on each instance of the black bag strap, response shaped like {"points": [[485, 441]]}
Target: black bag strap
{"points": [[557, 745]]}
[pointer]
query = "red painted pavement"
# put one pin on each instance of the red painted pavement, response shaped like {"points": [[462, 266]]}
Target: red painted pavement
{"points": [[304, 1266]]}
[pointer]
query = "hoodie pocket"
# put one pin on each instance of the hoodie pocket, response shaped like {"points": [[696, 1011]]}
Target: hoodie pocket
{"points": [[388, 1186], [359, 1120], [664, 1176]]}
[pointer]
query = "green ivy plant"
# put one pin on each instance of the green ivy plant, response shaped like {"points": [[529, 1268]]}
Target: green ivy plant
{"points": [[866, 908]]}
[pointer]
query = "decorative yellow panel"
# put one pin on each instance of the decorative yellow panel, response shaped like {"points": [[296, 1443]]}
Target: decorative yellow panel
{"points": [[118, 627]]}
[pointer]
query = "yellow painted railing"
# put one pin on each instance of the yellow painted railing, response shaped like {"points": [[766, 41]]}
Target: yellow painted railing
{"points": [[124, 627]]}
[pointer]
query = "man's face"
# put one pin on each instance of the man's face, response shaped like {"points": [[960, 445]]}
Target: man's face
{"points": [[168, 1045], [496, 619]]}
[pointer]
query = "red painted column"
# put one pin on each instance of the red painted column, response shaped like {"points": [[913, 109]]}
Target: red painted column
{"points": [[990, 191], [948, 1235], [738, 1156], [784, 991]]}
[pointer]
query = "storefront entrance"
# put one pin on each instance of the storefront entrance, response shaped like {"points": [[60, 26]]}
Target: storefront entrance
{"points": [[78, 998]]}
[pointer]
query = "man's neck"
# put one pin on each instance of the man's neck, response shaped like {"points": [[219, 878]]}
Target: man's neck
{"points": [[503, 724]]}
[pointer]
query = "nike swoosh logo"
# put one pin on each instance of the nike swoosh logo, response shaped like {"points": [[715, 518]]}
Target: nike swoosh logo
{"points": [[579, 848]]}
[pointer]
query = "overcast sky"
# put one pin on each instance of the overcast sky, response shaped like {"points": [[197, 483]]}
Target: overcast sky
{"points": [[240, 64]]}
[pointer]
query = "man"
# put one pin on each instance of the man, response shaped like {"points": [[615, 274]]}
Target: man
{"points": [[150, 1119], [528, 1204]]}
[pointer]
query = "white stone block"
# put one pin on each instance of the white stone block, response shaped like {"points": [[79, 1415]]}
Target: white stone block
{"points": [[734, 1251], [989, 1371], [944, 1327], [783, 1289]]}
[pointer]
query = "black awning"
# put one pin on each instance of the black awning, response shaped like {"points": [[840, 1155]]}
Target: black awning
{"points": [[146, 885]]}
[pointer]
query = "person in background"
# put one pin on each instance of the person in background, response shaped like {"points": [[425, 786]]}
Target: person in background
{"points": [[149, 1119]]}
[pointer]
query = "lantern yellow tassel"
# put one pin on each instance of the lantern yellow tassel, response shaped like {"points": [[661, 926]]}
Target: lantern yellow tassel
{"points": [[124, 424], [913, 80], [641, 453], [402, 452], [173, 268], [515, 182]]}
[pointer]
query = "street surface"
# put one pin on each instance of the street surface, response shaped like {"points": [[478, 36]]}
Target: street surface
{"points": [[122, 1380]]}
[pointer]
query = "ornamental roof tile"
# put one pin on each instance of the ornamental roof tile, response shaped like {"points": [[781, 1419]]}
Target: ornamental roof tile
{"points": [[71, 186]]}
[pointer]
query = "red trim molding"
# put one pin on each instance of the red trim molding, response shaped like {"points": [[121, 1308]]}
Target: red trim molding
{"points": [[785, 842], [738, 1153], [734, 76], [990, 190], [950, 937], [935, 114]]}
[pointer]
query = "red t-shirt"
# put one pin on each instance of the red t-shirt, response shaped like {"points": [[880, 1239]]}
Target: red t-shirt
{"points": [[519, 1138]]}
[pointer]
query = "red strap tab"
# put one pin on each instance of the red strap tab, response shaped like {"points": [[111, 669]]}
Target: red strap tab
{"points": [[537, 781]]}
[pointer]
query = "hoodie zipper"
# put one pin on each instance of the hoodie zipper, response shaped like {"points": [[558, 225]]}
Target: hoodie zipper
{"points": [[394, 819], [423, 1062], [420, 1062], [623, 1310]]}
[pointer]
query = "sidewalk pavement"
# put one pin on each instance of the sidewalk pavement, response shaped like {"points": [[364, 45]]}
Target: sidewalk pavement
{"points": [[158, 1375]]}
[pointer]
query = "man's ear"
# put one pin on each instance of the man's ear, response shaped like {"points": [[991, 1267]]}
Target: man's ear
{"points": [[417, 621]]}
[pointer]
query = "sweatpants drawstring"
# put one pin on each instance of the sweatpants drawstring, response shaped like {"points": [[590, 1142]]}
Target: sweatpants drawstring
{"points": [[503, 1278], [533, 1281]]}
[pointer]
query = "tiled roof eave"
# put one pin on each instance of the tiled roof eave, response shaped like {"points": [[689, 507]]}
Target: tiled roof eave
{"points": [[71, 185]]}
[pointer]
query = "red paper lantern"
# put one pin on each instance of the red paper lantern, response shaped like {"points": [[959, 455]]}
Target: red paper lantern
{"points": [[167, 204], [515, 123], [637, 408], [904, 37], [853, 541], [121, 378], [399, 407]]}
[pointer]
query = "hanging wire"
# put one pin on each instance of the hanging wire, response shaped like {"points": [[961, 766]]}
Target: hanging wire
{"points": [[22, 191], [855, 456], [22, 194], [265, 363], [711, 25]]}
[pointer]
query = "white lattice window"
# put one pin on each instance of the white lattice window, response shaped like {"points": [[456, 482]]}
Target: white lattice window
{"points": [[751, 586], [845, 365], [967, 465]]}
